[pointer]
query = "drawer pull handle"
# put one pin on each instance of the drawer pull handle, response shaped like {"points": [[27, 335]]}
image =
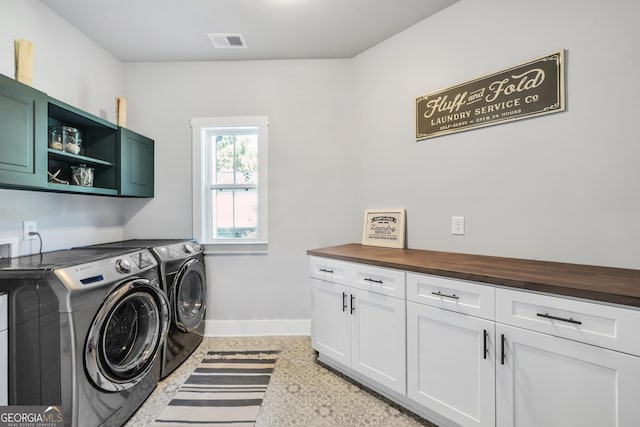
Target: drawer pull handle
{"points": [[570, 320], [324, 270], [440, 294], [344, 301], [367, 279]]}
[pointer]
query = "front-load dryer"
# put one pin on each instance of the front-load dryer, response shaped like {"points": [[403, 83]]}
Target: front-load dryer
{"points": [[183, 278], [112, 317]]}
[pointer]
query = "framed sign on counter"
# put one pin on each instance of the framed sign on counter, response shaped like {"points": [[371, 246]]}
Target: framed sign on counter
{"points": [[384, 227]]}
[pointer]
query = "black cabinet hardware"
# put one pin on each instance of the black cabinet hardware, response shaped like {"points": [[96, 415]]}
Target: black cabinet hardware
{"points": [[344, 301], [486, 349], [353, 304], [504, 339], [569, 320], [440, 294], [324, 270], [367, 279]]}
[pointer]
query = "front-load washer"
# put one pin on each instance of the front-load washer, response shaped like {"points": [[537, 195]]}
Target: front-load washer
{"points": [[183, 278], [111, 320]]}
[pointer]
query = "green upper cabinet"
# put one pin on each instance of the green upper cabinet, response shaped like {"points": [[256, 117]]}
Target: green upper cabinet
{"points": [[136, 164], [23, 124], [48, 145]]}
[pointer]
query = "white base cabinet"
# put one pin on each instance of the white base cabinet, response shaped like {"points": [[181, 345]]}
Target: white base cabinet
{"points": [[555, 382], [467, 354], [450, 348], [451, 364], [330, 333], [363, 329], [378, 341]]}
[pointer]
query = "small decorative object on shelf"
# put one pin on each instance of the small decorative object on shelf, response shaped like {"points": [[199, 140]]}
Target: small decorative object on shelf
{"points": [[82, 175], [53, 177], [65, 138], [384, 227], [55, 139]]}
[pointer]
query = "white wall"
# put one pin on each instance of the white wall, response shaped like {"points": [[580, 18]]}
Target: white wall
{"points": [[562, 187], [70, 67], [311, 188]]}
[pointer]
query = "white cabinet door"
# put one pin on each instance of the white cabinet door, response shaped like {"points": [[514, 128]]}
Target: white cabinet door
{"points": [[330, 320], [451, 364], [379, 338], [555, 382]]}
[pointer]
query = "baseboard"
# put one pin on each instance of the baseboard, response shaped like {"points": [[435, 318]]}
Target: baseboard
{"points": [[254, 328]]}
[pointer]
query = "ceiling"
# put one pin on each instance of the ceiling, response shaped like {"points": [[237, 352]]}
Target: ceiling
{"points": [[176, 30]]}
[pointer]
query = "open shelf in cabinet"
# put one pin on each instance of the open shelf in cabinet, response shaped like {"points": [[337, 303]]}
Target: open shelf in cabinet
{"points": [[97, 150]]}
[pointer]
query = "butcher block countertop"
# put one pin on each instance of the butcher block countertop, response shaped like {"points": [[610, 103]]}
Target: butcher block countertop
{"points": [[607, 284]]}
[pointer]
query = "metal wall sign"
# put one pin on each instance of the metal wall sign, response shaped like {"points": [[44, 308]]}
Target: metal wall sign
{"points": [[527, 90]]}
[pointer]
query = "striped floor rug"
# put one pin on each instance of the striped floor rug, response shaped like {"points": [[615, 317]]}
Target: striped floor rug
{"points": [[226, 389]]}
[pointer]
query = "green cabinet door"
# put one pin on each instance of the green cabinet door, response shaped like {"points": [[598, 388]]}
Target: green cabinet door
{"points": [[23, 144], [135, 153]]}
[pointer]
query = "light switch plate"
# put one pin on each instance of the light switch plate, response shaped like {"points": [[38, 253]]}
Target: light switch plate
{"points": [[457, 225]]}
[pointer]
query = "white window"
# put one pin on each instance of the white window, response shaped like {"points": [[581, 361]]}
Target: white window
{"points": [[230, 183]]}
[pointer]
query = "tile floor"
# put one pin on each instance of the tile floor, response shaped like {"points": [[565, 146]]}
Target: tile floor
{"points": [[301, 392]]}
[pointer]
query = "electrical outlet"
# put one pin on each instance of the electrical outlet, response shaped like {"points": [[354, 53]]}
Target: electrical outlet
{"points": [[28, 227], [457, 225]]}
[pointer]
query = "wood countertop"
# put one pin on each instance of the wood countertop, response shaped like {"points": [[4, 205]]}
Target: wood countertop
{"points": [[608, 284]]}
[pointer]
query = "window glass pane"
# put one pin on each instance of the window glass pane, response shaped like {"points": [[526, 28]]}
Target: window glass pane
{"points": [[236, 213], [222, 208], [246, 159], [224, 158]]}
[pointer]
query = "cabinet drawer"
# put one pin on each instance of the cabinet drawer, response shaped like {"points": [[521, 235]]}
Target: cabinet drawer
{"points": [[328, 269], [452, 294], [603, 325], [383, 281]]}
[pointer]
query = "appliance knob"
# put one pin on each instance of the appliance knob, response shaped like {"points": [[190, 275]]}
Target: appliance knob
{"points": [[188, 248], [123, 266]]}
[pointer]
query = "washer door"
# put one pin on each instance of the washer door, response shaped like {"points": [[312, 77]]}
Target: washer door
{"points": [[189, 296], [126, 334]]}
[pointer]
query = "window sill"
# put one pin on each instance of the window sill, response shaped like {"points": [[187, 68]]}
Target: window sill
{"points": [[230, 247]]}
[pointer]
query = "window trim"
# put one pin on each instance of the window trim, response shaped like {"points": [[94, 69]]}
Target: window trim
{"points": [[199, 184]]}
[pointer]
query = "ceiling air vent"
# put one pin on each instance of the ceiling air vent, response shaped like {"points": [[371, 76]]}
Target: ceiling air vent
{"points": [[227, 40]]}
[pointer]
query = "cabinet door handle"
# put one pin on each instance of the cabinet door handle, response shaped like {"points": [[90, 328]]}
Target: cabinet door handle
{"points": [[367, 279], [486, 349], [353, 304], [502, 345], [324, 270], [440, 294], [344, 301], [562, 319]]}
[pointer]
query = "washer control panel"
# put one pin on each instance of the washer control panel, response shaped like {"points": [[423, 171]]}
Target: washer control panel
{"points": [[178, 251], [105, 271]]}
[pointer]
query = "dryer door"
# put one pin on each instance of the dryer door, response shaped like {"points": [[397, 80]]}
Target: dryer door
{"points": [[126, 334], [189, 296]]}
